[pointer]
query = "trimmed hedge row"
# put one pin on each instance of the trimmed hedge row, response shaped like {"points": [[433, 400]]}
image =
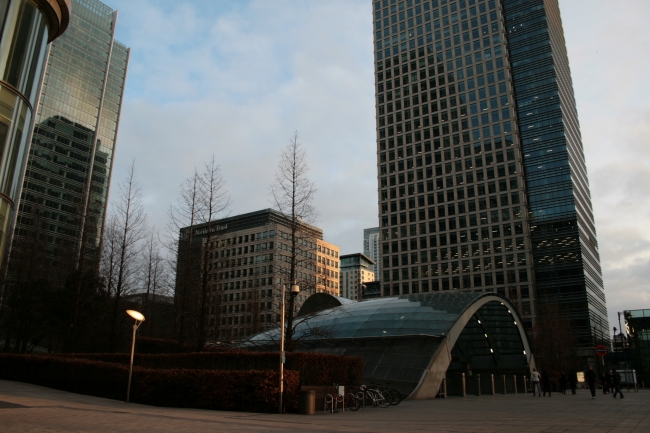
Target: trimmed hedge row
{"points": [[316, 369], [242, 390]]}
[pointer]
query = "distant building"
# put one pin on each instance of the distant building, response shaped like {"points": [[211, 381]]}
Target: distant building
{"points": [[250, 257], [356, 269], [158, 311], [637, 324], [371, 248], [372, 290], [328, 268]]}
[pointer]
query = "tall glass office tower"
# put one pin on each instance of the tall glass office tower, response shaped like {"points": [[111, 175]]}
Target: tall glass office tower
{"points": [[70, 163], [481, 172], [26, 27]]}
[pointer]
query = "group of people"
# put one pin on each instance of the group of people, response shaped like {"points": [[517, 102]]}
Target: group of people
{"points": [[542, 382]]}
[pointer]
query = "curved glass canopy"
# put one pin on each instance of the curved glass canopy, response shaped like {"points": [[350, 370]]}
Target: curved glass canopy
{"points": [[419, 314]]}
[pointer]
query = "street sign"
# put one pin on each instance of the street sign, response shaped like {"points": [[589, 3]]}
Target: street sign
{"points": [[601, 350]]}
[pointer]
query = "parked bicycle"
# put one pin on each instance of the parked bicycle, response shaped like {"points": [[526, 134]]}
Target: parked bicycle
{"points": [[394, 396]]}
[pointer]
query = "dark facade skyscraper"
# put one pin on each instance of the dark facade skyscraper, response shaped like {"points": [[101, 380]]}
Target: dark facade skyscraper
{"points": [[70, 163], [481, 171]]}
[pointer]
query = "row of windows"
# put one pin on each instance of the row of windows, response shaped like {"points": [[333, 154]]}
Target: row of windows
{"points": [[409, 18], [453, 223], [476, 281], [462, 282], [462, 236], [454, 253], [465, 267], [447, 169]]}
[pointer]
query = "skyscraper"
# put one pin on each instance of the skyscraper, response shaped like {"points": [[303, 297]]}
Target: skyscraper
{"points": [[71, 159], [26, 27], [481, 171], [371, 248]]}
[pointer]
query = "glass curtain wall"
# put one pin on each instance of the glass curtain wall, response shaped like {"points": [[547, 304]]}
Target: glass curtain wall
{"points": [[25, 29], [69, 168]]}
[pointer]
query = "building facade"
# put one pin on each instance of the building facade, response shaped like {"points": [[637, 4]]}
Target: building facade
{"points": [[26, 27], [328, 268], [249, 258], [371, 248], [481, 172], [70, 163], [356, 269]]}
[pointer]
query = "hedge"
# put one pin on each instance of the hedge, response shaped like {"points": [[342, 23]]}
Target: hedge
{"points": [[316, 369], [243, 390]]}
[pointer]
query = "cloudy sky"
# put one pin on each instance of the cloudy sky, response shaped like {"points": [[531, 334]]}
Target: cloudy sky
{"points": [[237, 78]]}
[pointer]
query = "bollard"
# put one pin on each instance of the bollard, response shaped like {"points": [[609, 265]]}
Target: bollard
{"points": [[492, 381], [443, 390], [525, 386], [505, 390], [478, 385], [463, 386], [515, 381]]}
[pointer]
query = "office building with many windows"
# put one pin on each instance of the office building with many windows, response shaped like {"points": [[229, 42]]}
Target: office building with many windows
{"points": [[371, 248], [70, 163], [26, 27], [249, 260], [481, 172]]}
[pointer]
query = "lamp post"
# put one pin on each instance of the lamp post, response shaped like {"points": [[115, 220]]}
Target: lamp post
{"points": [[295, 289], [139, 318]]}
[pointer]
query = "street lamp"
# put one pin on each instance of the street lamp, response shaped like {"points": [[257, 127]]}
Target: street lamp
{"points": [[139, 318], [295, 289]]}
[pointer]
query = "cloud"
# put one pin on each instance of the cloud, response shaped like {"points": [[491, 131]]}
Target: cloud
{"points": [[605, 42], [237, 84]]}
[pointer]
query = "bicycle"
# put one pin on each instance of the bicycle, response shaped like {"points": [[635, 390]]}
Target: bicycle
{"points": [[375, 395], [393, 395]]}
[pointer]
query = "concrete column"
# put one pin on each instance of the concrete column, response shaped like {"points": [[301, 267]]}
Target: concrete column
{"points": [[478, 384], [514, 377], [505, 389]]}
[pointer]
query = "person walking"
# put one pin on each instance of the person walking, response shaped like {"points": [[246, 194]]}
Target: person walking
{"points": [[616, 381], [546, 383], [603, 381], [590, 377], [573, 381], [562, 382], [534, 377]]}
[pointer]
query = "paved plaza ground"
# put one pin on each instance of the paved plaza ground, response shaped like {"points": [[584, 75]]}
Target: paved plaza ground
{"points": [[30, 408]]}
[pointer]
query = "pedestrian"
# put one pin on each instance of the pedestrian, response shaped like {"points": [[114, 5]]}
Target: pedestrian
{"points": [[562, 382], [590, 377], [546, 383], [573, 381], [616, 381], [534, 377], [603, 381]]}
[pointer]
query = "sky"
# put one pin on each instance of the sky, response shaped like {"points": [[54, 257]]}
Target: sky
{"points": [[237, 78]]}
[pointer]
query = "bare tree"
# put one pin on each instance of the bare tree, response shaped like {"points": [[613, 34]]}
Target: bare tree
{"points": [[180, 244], [203, 199], [292, 194], [130, 227], [213, 203]]}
